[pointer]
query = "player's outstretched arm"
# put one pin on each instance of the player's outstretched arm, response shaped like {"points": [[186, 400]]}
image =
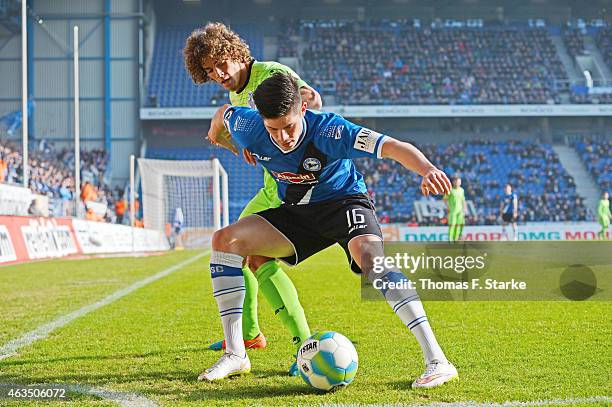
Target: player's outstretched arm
{"points": [[434, 180], [218, 135]]}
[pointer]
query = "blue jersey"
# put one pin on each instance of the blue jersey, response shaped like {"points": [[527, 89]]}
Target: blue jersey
{"points": [[319, 167], [509, 203]]}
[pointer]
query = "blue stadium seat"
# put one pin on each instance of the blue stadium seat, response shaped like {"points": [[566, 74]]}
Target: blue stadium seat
{"points": [[169, 82]]}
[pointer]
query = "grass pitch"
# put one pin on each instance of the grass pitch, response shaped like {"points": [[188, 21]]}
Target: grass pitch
{"points": [[153, 341]]}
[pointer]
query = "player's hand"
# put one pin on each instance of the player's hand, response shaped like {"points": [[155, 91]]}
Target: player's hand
{"points": [[435, 182], [222, 139], [248, 157]]}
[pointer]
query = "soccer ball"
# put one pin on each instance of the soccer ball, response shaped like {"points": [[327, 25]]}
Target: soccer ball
{"points": [[327, 360]]}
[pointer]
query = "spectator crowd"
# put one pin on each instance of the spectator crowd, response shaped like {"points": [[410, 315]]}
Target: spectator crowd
{"points": [[394, 62], [51, 174], [597, 157], [546, 191]]}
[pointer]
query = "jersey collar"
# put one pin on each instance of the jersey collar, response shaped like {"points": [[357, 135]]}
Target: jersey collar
{"points": [[248, 78], [297, 145]]}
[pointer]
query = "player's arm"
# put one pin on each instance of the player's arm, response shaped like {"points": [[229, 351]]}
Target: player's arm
{"points": [[218, 134], [311, 97], [243, 123], [434, 180], [353, 141]]}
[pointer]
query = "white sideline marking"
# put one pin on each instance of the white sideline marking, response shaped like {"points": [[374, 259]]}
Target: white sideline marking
{"points": [[553, 402], [10, 349], [124, 399]]}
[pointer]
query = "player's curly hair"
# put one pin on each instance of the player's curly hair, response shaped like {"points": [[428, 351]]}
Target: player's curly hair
{"points": [[216, 41]]}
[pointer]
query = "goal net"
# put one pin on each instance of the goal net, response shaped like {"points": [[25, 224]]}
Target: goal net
{"points": [[196, 189]]}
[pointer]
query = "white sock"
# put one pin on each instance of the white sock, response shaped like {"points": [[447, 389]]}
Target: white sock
{"points": [[409, 308], [228, 290]]}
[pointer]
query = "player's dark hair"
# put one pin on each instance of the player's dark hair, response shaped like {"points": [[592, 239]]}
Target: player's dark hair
{"points": [[277, 96]]}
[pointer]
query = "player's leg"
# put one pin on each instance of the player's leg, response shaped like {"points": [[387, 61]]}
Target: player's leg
{"points": [[514, 229], [250, 322], [275, 284], [282, 296], [453, 226], [460, 223], [604, 228], [408, 307], [230, 246]]}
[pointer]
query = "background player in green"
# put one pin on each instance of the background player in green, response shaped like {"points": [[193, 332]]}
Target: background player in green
{"points": [[215, 53], [603, 214], [456, 210]]}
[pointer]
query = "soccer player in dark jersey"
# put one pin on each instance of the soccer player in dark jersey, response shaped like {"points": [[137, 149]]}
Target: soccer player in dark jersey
{"points": [[509, 212], [324, 202], [217, 54]]}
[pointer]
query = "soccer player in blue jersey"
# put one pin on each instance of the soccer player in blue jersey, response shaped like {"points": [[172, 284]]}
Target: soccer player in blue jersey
{"points": [[509, 212], [324, 202]]}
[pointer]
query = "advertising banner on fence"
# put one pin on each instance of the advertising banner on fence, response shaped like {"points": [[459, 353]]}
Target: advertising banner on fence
{"points": [[24, 238], [532, 231], [47, 237], [7, 250], [14, 200], [98, 237], [34, 238]]}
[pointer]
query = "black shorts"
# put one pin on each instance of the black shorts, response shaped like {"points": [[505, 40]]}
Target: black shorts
{"points": [[313, 227], [508, 218]]}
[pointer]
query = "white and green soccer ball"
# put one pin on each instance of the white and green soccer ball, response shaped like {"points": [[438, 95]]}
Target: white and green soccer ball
{"points": [[327, 360]]}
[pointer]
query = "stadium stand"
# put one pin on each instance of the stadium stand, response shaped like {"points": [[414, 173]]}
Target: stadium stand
{"points": [[395, 62], [52, 175], [384, 62], [169, 83], [574, 42], [603, 40], [288, 45], [597, 158], [547, 192]]}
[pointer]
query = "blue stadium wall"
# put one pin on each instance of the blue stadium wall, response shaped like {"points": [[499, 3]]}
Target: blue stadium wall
{"points": [[109, 73]]}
